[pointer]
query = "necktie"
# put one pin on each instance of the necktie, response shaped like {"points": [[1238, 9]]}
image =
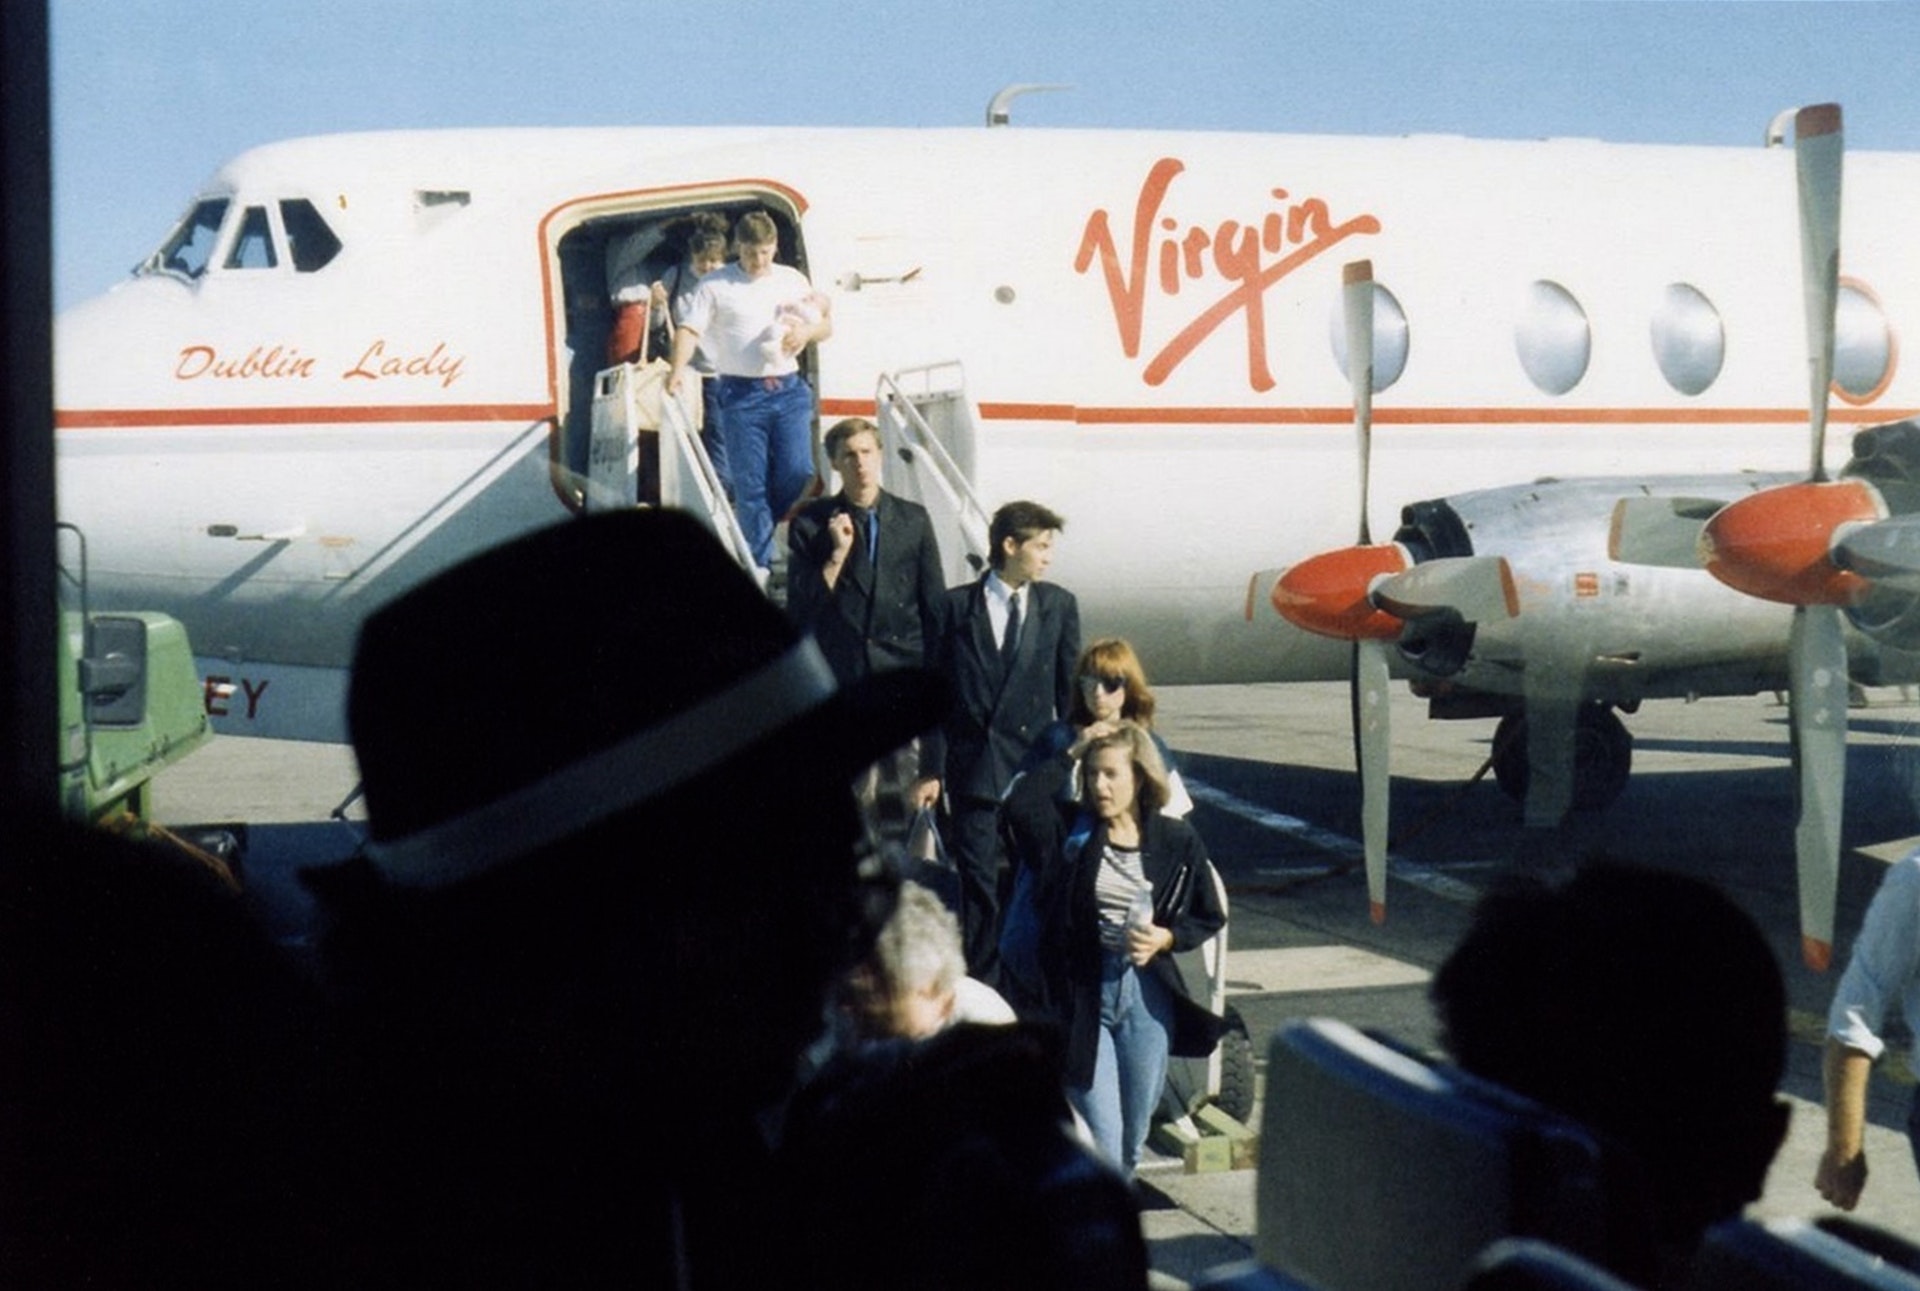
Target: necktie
{"points": [[1012, 638], [870, 530], [861, 552]]}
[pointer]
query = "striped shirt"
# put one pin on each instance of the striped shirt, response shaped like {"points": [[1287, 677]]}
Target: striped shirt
{"points": [[1120, 878]]}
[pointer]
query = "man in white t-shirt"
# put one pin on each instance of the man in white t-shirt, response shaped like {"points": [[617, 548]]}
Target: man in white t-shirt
{"points": [[1882, 982], [753, 318]]}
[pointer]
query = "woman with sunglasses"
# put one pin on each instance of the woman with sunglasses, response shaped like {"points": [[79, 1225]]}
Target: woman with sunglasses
{"points": [[1110, 687]]}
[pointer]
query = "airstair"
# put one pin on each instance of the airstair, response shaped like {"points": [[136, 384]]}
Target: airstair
{"points": [[645, 450], [927, 428]]}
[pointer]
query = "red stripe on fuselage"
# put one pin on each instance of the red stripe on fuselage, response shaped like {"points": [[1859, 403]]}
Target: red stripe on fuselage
{"points": [[1343, 416], [129, 418]]}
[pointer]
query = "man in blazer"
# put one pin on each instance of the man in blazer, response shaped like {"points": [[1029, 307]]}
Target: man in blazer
{"points": [[864, 577], [863, 570], [1009, 645]]}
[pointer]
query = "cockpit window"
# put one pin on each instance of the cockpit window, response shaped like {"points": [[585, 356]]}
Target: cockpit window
{"points": [[190, 248], [310, 242], [253, 245]]}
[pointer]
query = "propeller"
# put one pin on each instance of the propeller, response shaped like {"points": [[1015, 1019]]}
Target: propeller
{"points": [[1779, 545], [1887, 553], [1368, 593]]}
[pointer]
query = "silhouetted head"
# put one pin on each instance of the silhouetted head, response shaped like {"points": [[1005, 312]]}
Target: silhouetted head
{"points": [[165, 1066], [1643, 1003], [602, 768]]}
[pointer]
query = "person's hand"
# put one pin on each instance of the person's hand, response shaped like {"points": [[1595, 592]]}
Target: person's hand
{"points": [[795, 335], [1144, 943], [925, 793], [1841, 1177], [800, 323], [657, 296], [1092, 733], [675, 381], [840, 531]]}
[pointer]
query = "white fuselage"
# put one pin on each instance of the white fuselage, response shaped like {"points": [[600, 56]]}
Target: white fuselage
{"points": [[1144, 322]]}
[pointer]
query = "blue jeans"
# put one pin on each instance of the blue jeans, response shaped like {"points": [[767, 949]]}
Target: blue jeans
{"points": [[1130, 1068], [767, 423]]}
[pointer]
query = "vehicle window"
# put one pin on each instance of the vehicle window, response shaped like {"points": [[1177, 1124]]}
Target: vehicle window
{"points": [[1552, 338], [190, 247], [253, 246], [1689, 342], [310, 243], [1862, 344], [1389, 337]]}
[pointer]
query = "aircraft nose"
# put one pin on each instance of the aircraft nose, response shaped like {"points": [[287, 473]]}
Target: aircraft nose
{"points": [[1327, 593], [1776, 544]]}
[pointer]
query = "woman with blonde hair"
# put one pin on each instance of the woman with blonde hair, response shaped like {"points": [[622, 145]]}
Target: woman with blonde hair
{"points": [[1120, 886]]}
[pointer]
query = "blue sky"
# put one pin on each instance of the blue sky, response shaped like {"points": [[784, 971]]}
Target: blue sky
{"points": [[149, 96]]}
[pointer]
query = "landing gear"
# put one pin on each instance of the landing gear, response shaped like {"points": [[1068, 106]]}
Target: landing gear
{"points": [[1602, 757], [1236, 1069]]}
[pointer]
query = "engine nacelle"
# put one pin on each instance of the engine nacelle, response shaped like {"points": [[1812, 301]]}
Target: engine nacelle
{"points": [[1438, 645], [1888, 457]]}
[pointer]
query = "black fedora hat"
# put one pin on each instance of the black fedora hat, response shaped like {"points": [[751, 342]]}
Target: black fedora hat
{"points": [[577, 672]]}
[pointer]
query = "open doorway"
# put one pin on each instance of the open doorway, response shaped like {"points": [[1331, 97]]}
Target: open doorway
{"points": [[651, 233]]}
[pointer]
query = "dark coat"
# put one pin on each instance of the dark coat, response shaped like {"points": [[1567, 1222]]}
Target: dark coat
{"points": [[875, 616], [1040, 825], [998, 712]]}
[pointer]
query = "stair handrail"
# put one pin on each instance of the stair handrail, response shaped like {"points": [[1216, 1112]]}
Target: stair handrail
{"points": [[677, 423], [973, 518]]}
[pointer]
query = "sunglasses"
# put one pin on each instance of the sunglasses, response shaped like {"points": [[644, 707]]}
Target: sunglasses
{"points": [[1108, 682]]}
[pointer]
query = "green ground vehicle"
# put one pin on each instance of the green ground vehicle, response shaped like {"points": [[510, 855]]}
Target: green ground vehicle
{"points": [[131, 703]]}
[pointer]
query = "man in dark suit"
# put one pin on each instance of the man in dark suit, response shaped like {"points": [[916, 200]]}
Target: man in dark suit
{"points": [[1009, 644], [864, 577], [864, 573]]}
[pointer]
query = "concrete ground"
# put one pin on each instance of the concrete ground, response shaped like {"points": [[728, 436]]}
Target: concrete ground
{"points": [[1270, 767]]}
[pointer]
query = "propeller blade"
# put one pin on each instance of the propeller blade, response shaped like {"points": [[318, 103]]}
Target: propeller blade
{"points": [[1818, 151], [1477, 588], [1553, 720], [1817, 669], [1664, 532], [1356, 299], [1887, 552], [1262, 585], [1372, 746]]}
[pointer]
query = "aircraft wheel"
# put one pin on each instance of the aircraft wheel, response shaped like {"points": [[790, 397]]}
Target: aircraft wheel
{"points": [[1236, 1069], [1510, 756], [1602, 757]]}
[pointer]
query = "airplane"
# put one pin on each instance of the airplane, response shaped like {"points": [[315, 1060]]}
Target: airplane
{"points": [[1796, 544], [358, 358]]}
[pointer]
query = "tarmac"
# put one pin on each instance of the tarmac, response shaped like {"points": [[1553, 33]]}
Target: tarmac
{"points": [[1271, 768]]}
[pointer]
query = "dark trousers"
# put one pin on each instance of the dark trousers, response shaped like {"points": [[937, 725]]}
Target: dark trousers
{"points": [[973, 843], [713, 436], [1913, 1128]]}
